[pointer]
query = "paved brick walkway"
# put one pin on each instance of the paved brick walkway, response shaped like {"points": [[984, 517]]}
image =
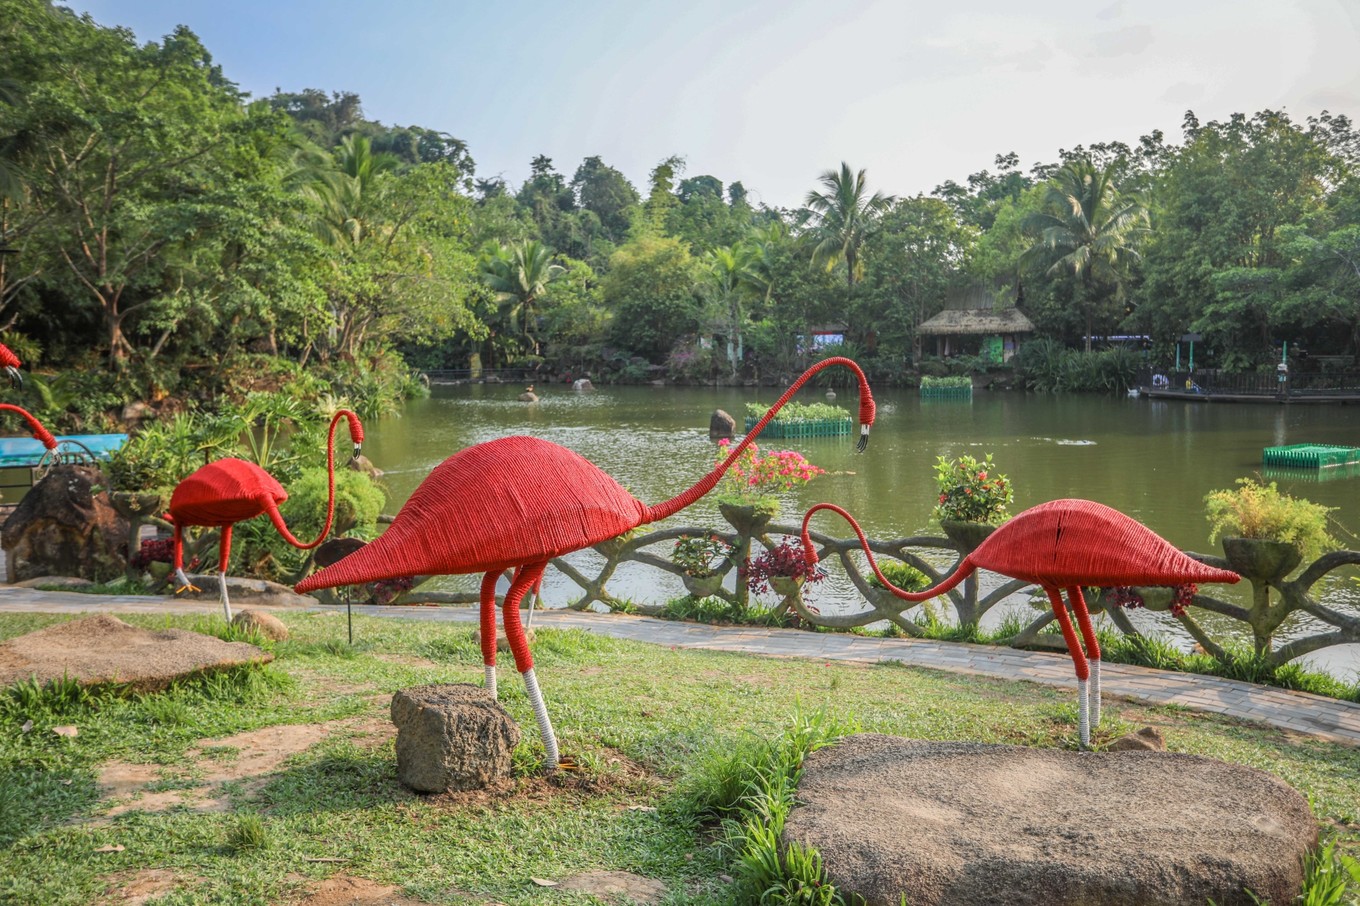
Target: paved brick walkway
{"points": [[1299, 712]]}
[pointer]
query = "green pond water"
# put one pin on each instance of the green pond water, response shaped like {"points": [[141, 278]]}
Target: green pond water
{"points": [[1154, 460]]}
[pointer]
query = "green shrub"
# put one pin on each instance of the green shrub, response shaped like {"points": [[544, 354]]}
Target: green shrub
{"points": [[971, 491], [1260, 511], [903, 575], [796, 411], [260, 551], [946, 383]]}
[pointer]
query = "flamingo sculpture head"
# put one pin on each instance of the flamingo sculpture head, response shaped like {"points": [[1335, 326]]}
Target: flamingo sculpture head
{"points": [[516, 503], [1063, 544], [10, 362], [227, 491]]}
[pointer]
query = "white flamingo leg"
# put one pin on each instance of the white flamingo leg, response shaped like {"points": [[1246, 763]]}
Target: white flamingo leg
{"points": [[222, 587], [545, 727], [1078, 661], [525, 578], [1088, 634]]}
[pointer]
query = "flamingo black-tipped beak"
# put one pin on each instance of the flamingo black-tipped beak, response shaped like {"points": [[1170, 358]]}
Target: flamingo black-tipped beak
{"points": [[16, 377], [863, 439]]}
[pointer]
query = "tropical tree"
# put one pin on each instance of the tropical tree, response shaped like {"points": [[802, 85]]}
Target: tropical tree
{"points": [[520, 275], [844, 216], [728, 282], [1087, 227]]}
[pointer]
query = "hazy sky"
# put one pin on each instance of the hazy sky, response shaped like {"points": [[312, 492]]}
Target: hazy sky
{"points": [[774, 93]]}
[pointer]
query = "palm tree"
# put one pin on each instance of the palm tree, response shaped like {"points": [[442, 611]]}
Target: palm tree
{"points": [[1086, 226], [845, 217], [727, 282], [520, 275]]}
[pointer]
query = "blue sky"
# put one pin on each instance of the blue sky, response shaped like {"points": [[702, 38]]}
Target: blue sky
{"points": [[774, 93]]}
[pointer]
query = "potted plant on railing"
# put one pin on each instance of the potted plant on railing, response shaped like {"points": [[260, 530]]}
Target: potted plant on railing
{"points": [[1266, 533], [782, 568], [703, 561], [973, 499], [746, 494]]}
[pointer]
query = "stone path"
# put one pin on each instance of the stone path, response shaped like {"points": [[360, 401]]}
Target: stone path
{"points": [[1299, 712]]}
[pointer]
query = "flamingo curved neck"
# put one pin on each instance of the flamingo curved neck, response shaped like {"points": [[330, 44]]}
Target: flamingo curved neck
{"points": [[35, 427], [965, 568], [710, 481], [272, 507]]}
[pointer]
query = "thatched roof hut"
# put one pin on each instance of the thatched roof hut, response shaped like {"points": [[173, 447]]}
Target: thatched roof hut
{"points": [[999, 330]]}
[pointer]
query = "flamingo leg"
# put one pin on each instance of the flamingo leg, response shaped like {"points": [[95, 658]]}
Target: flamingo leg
{"points": [[1078, 660], [488, 615], [1088, 634], [525, 579], [223, 555], [180, 577]]}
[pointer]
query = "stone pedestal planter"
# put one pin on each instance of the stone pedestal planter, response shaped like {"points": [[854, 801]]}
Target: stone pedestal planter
{"points": [[966, 535], [1257, 558], [748, 519], [786, 585], [702, 586], [451, 736]]}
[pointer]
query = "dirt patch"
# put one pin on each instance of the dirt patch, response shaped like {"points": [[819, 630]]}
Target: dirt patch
{"points": [[619, 774], [615, 886], [246, 758], [104, 649], [343, 890], [137, 887]]}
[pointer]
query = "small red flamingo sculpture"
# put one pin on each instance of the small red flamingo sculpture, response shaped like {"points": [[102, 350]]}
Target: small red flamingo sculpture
{"points": [[1063, 544], [228, 491], [515, 503], [10, 362]]}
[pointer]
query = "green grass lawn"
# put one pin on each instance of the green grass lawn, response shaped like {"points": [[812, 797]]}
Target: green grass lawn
{"points": [[636, 717]]}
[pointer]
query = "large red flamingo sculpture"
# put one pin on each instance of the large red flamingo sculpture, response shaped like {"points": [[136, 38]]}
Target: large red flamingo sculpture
{"points": [[1063, 544], [10, 362], [228, 491], [515, 503]]}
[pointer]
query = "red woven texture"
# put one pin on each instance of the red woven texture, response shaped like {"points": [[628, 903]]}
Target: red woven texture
{"points": [[1081, 542], [1059, 544], [7, 358], [224, 492], [35, 427], [493, 506]]}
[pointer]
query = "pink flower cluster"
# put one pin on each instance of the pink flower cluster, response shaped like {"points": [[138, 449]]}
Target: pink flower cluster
{"points": [[781, 470]]}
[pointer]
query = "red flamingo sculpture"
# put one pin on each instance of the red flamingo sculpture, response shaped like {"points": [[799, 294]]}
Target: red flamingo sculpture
{"points": [[10, 362], [515, 503], [228, 491], [1063, 544]]}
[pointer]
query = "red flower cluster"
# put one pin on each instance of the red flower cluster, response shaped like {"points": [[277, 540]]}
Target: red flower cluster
{"points": [[786, 559], [1182, 596], [153, 550]]}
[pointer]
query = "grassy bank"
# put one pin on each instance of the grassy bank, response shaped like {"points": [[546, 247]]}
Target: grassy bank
{"points": [[217, 822]]}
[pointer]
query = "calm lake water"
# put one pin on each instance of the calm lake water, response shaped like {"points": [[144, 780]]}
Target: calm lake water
{"points": [[1154, 460]]}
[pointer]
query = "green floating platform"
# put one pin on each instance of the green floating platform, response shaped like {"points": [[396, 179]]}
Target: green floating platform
{"points": [[790, 429], [1310, 456], [947, 393]]}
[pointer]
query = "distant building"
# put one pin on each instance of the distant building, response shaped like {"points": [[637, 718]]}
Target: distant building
{"points": [[973, 324]]}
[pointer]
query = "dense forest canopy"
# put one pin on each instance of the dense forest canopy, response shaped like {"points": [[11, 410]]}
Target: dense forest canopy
{"points": [[154, 220]]}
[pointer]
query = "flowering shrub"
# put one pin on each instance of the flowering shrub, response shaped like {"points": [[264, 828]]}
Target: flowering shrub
{"points": [[787, 559], [701, 556], [754, 474], [1181, 598], [153, 550], [970, 491]]}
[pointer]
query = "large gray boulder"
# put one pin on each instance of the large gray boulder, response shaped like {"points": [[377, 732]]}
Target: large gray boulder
{"points": [[721, 426], [451, 736], [65, 526], [967, 823]]}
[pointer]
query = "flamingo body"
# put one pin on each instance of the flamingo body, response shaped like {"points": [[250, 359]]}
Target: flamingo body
{"points": [[492, 507], [1081, 542], [225, 492]]}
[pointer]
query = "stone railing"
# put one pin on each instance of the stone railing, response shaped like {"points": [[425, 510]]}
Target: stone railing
{"points": [[1275, 599]]}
